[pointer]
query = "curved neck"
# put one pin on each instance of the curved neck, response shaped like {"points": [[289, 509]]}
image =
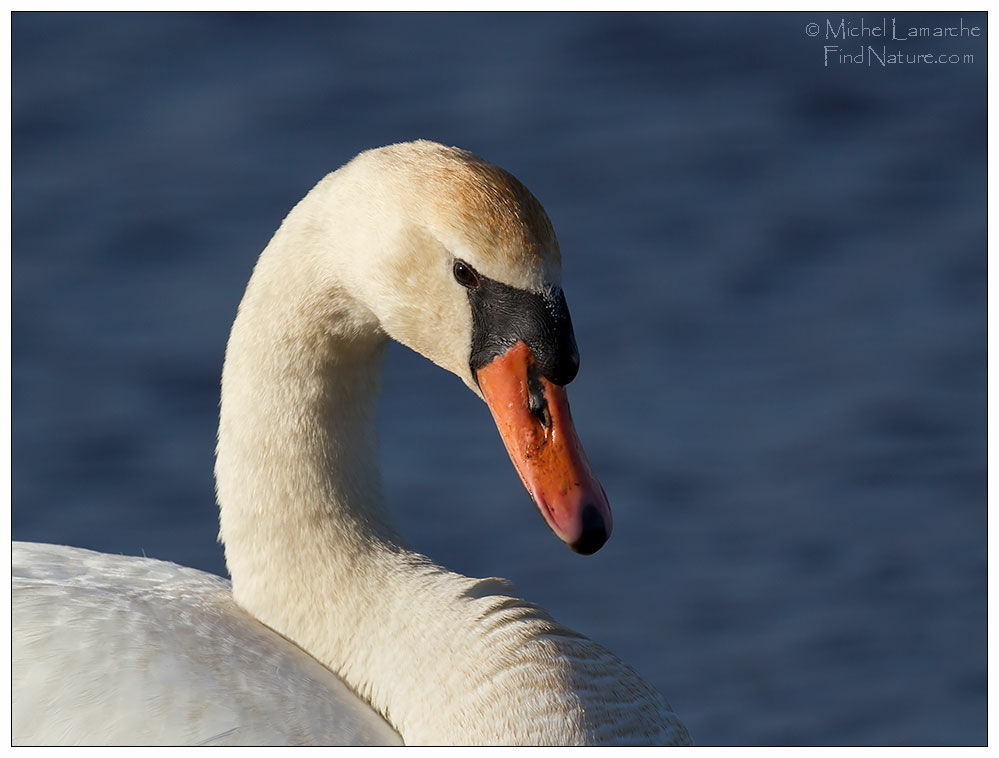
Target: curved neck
{"points": [[297, 440], [313, 554]]}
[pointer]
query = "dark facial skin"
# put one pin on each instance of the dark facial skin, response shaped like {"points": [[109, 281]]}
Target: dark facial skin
{"points": [[503, 315]]}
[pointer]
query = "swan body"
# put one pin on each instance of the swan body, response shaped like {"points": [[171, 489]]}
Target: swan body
{"points": [[117, 622], [453, 257]]}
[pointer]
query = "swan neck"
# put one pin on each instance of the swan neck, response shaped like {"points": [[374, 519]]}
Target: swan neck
{"points": [[297, 456]]}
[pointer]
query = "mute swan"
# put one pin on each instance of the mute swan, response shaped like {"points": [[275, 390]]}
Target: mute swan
{"points": [[453, 257]]}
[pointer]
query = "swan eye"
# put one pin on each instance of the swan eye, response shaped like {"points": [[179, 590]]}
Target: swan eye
{"points": [[465, 275]]}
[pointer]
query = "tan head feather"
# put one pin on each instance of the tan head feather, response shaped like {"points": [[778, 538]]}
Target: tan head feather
{"points": [[487, 208]]}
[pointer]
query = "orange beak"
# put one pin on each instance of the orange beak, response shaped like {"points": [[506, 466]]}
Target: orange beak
{"points": [[532, 416]]}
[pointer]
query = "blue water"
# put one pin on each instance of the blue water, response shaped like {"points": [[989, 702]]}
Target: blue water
{"points": [[776, 271]]}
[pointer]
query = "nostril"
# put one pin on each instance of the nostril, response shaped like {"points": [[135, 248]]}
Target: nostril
{"points": [[539, 409], [536, 402]]}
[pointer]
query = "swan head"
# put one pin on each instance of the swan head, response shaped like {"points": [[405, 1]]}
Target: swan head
{"points": [[459, 262]]}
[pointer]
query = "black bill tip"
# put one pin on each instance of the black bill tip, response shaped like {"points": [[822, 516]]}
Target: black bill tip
{"points": [[594, 533]]}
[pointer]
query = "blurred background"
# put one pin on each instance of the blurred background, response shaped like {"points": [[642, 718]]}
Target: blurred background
{"points": [[777, 275]]}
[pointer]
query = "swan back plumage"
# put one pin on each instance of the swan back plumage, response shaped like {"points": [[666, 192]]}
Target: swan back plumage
{"points": [[160, 654]]}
